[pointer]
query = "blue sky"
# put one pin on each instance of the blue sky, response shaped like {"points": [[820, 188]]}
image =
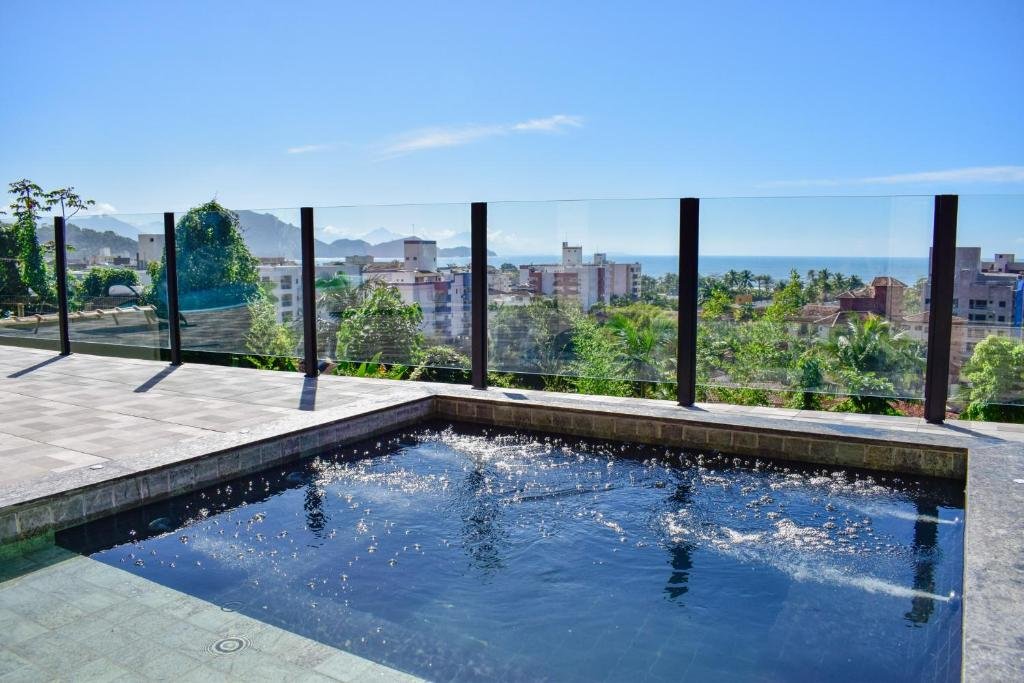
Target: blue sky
{"points": [[158, 106]]}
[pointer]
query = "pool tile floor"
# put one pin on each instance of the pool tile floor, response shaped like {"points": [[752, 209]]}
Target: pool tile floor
{"points": [[67, 617]]}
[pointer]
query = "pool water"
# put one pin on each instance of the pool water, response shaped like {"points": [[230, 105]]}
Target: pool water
{"points": [[459, 553]]}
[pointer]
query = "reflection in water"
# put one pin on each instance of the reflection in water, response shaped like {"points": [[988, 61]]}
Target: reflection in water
{"points": [[679, 552], [313, 504], [926, 535], [481, 533]]}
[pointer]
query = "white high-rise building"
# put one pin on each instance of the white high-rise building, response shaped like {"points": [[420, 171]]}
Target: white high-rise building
{"points": [[587, 283], [443, 295]]}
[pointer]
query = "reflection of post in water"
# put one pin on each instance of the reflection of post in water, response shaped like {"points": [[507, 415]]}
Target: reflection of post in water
{"points": [[480, 530], [313, 504], [679, 553], [926, 535]]}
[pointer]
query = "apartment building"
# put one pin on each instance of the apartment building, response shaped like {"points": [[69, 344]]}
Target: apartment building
{"points": [[587, 283], [987, 292], [283, 280], [442, 294], [151, 250]]}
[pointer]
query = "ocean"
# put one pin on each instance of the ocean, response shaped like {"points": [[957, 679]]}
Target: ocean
{"points": [[906, 269]]}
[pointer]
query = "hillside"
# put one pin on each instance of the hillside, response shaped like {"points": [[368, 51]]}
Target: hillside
{"points": [[267, 235], [105, 223], [89, 243]]}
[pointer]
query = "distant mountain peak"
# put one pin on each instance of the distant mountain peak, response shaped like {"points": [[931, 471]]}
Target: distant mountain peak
{"points": [[381, 235]]}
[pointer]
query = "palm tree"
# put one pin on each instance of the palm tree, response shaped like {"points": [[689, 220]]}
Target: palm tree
{"points": [[825, 283], [333, 295], [641, 341], [839, 283], [746, 279], [870, 358]]}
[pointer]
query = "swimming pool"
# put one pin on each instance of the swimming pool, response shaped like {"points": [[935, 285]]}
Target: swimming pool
{"points": [[461, 553]]}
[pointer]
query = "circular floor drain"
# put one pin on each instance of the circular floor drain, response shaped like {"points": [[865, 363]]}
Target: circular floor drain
{"points": [[228, 646], [231, 606]]}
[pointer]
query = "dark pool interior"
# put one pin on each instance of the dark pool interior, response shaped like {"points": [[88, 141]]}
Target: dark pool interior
{"points": [[455, 552]]}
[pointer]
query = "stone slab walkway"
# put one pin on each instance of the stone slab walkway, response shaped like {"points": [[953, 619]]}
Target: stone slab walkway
{"points": [[59, 414]]}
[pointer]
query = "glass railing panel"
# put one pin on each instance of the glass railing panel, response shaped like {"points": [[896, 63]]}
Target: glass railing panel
{"points": [[583, 296], [28, 282], [113, 307], [393, 290], [986, 373], [814, 302], [240, 285]]}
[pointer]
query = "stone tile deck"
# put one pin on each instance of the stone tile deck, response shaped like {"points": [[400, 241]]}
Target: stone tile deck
{"points": [[63, 413], [150, 430], [70, 618]]}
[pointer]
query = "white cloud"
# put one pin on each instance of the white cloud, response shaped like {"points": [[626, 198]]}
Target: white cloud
{"points": [[334, 231], [432, 138], [551, 123], [972, 174], [306, 149], [101, 208]]}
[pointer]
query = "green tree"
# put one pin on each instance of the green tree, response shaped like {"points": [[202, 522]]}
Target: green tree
{"points": [[532, 339], [596, 368], [746, 279], [717, 305], [333, 296], [67, 201], [870, 360], [382, 324], [645, 342], [98, 281], [11, 284], [810, 381], [274, 344], [29, 200], [215, 267], [788, 298], [996, 376]]}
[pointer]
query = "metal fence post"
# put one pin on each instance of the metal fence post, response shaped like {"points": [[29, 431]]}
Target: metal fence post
{"points": [[311, 361], [173, 312], [478, 294], [61, 247], [689, 239], [940, 310]]}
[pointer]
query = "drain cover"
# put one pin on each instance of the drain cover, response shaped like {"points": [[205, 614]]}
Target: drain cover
{"points": [[229, 645], [231, 606]]}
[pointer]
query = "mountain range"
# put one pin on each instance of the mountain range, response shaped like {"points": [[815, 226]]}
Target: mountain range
{"points": [[265, 234]]}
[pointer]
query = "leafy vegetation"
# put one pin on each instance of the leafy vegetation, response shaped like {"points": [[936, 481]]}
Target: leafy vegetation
{"points": [[381, 324], [25, 276], [215, 268], [996, 376]]}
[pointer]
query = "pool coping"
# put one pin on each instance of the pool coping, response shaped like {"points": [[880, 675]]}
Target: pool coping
{"points": [[988, 458]]}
